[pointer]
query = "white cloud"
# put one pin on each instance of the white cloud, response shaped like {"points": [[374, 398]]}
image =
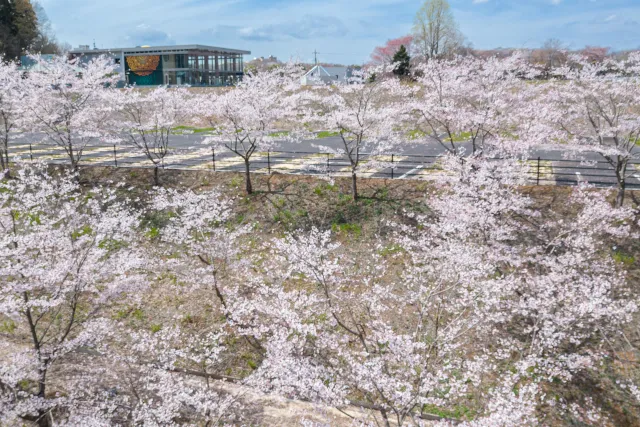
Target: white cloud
{"points": [[610, 18], [479, 1]]}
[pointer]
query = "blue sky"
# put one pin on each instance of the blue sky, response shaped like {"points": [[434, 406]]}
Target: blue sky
{"points": [[343, 31]]}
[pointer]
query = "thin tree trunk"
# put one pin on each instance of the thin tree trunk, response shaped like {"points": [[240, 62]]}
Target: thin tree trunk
{"points": [[248, 176], [2, 162], [620, 195], [156, 177], [4, 157], [385, 418], [41, 419], [44, 419], [6, 152], [354, 186], [621, 170]]}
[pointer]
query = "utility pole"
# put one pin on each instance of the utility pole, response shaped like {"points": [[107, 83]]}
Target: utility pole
{"points": [[315, 56]]}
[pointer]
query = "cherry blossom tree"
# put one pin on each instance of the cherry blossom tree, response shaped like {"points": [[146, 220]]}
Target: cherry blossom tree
{"points": [[64, 256], [63, 99], [145, 121], [553, 284], [553, 53], [246, 118], [384, 54], [196, 224], [474, 100], [350, 345], [594, 108], [595, 53], [365, 116], [148, 382], [10, 92]]}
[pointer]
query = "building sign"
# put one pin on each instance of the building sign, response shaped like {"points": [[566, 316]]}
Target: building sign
{"points": [[143, 65]]}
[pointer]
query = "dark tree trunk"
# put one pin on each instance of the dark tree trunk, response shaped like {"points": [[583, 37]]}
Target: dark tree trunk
{"points": [[354, 186], [248, 177], [41, 418], [156, 176], [4, 164], [621, 170], [2, 157], [620, 195], [44, 418]]}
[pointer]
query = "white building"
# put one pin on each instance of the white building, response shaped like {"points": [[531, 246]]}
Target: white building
{"points": [[320, 75]]}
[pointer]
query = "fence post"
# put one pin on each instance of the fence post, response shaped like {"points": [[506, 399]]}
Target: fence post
{"points": [[538, 173], [213, 158], [115, 156], [328, 168], [269, 161], [392, 166], [30, 152]]}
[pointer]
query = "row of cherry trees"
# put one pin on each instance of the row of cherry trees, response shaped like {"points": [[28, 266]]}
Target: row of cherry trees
{"points": [[486, 295], [496, 104]]}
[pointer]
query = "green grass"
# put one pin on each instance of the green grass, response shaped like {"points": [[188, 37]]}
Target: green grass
{"points": [[416, 134], [458, 137], [290, 218], [462, 136], [190, 129], [8, 326], [457, 412], [624, 258], [278, 134], [352, 229], [327, 134], [324, 188], [391, 250], [510, 135]]}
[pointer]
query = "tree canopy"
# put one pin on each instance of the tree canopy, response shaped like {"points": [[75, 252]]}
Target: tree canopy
{"points": [[18, 27], [435, 30], [402, 59], [24, 26]]}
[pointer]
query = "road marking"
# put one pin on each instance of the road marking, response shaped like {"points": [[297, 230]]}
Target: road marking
{"points": [[411, 171]]}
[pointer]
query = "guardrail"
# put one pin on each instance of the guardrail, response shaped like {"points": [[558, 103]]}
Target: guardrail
{"points": [[542, 171]]}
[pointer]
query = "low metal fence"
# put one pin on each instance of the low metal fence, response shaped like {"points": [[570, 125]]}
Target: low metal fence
{"points": [[542, 171]]}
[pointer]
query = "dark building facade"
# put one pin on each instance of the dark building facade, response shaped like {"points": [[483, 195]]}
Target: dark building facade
{"points": [[195, 65]]}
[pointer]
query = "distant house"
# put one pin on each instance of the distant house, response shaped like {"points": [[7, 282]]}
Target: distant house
{"points": [[321, 75]]}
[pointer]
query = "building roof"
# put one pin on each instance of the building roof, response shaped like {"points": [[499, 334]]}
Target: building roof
{"points": [[155, 50], [320, 71], [337, 71]]}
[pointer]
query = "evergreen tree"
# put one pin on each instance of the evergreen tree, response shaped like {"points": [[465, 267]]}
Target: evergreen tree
{"points": [[18, 27], [402, 59]]}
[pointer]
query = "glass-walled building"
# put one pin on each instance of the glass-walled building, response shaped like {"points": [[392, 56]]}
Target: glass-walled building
{"points": [[194, 65]]}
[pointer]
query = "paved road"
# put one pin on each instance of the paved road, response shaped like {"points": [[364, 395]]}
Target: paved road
{"points": [[411, 161]]}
